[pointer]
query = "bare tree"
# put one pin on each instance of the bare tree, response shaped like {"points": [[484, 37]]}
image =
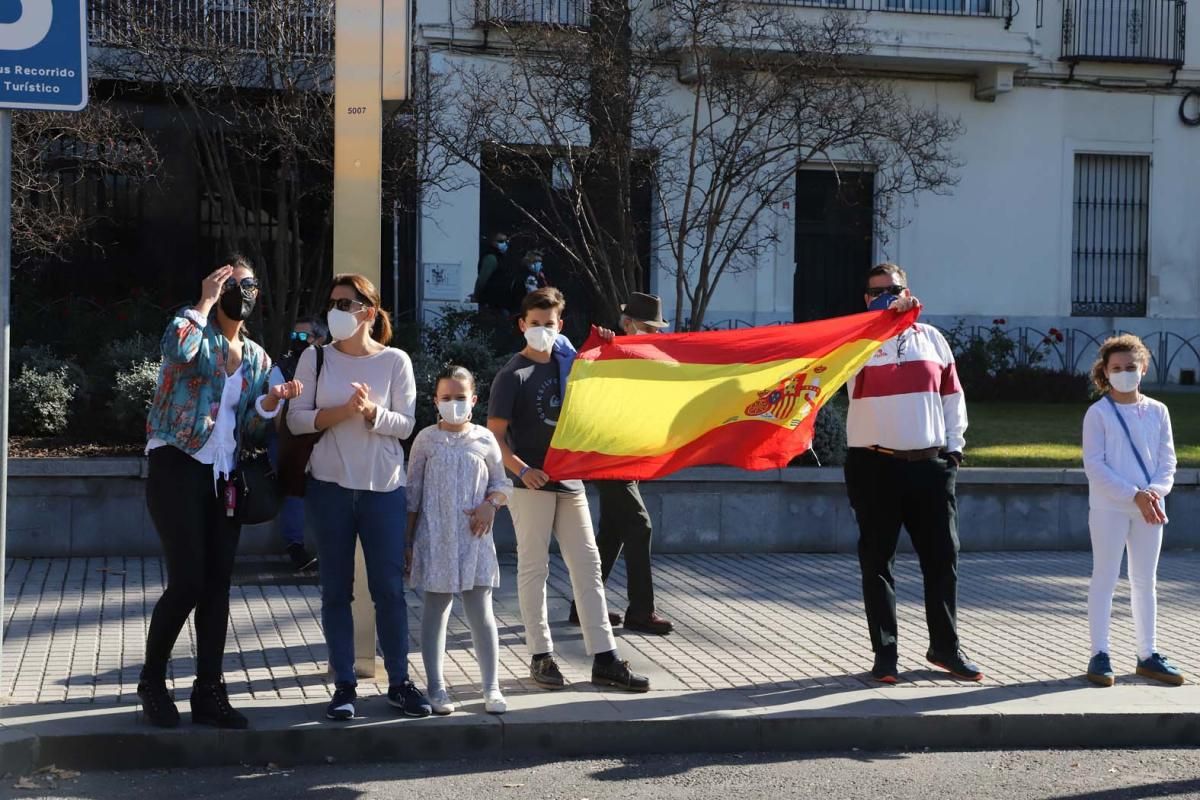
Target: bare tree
{"points": [[53, 152], [767, 92], [719, 102]]}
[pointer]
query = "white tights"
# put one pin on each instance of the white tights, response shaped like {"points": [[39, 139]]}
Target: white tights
{"points": [[477, 603], [1113, 534]]}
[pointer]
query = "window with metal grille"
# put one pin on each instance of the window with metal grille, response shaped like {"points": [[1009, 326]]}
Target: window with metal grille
{"points": [[1109, 261]]}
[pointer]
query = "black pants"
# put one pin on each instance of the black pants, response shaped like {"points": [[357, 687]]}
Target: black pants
{"points": [[199, 544], [886, 493], [625, 525]]}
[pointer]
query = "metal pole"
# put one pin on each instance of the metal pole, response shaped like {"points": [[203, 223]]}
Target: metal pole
{"points": [[5, 319], [357, 216]]}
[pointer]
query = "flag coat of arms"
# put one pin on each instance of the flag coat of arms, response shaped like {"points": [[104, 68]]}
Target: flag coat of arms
{"points": [[643, 407]]}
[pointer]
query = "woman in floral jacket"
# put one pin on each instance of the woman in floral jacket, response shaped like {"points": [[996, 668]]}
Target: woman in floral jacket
{"points": [[212, 393]]}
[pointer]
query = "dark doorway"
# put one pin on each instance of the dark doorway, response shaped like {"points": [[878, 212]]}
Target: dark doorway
{"points": [[834, 237], [513, 185]]}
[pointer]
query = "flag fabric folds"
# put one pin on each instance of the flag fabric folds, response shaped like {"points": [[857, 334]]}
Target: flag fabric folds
{"points": [[643, 407]]}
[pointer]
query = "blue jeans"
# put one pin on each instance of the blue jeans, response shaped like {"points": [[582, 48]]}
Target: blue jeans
{"points": [[379, 519], [291, 513]]}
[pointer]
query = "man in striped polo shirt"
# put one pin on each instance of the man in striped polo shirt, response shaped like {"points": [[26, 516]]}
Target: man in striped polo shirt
{"points": [[905, 431]]}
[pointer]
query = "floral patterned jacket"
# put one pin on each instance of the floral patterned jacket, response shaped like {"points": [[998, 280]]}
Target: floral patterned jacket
{"points": [[192, 379]]}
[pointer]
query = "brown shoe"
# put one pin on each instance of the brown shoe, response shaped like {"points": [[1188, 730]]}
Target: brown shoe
{"points": [[654, 624], [614, 619]]}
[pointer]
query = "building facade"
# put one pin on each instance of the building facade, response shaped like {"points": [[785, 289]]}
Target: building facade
{"points": [[1077, 206]]}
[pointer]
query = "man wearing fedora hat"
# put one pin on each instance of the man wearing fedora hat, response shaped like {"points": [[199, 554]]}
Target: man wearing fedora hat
{"points": [[624, 521]]}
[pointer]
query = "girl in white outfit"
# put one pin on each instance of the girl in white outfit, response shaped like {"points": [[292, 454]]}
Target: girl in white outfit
{"points": [[1129, 458], [456, 483]]}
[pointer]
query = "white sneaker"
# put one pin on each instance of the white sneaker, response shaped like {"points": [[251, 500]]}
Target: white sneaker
{"points": [[439, 701], [494, 702]]}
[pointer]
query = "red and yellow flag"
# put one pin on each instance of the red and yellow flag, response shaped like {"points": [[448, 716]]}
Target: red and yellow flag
{"points": [[645, 406]]}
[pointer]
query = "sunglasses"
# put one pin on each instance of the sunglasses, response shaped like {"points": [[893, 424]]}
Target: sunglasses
{"points": [[300, 336], [346, 304], [249, 284], [875, 291]]}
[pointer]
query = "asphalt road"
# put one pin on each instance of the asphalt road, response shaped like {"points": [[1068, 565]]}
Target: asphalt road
{"points": [[1022, 775]]}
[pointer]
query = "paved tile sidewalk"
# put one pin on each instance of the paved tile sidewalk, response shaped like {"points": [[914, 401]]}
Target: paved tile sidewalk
{"points": [[75, 629]]}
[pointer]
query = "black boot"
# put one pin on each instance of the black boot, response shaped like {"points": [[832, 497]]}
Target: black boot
{"points": [[210, 706], [157, 706]]}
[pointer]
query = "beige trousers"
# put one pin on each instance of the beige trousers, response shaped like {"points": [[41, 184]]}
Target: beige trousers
{"points": [[536, 514]]}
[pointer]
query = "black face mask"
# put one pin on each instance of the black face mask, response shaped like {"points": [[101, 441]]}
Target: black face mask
{"points": [[238, 304]]}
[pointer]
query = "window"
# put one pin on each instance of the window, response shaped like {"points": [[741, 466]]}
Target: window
{"points": [[1109, 253]]}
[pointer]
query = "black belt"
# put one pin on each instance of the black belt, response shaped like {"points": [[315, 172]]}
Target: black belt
{"points": [[907, 455]]}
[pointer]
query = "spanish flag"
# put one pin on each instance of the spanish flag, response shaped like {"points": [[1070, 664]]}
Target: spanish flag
{"points": [[643, 407]]}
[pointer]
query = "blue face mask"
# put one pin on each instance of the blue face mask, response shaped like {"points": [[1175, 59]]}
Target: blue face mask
{"points": [[884, 300], [536, 267], [502, 247]]}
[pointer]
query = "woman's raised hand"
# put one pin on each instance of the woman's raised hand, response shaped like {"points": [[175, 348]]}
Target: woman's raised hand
{"points": [[211, 288]]}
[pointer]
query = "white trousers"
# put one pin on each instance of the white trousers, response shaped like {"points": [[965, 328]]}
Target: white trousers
{"points": [[535, 515], [1113, 534]]}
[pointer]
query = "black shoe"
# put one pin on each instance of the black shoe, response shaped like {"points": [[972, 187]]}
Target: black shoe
{"points": [[302, 560], [157, 706], [409, 699], [341, 707], [653, 624], [614, 619], [618, 675], [210, 706], [546, 674], [885, 670], [956, 664]]}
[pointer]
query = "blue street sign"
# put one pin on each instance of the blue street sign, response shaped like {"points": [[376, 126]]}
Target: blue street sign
{"points": [[43, 54]]}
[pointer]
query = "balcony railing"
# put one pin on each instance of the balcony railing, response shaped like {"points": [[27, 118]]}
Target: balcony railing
{"points": [[1130, 31], [565, 13], [948, 8], [237, 24]]}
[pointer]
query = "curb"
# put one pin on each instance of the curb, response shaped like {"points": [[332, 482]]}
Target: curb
{"points": [[470, 735]]}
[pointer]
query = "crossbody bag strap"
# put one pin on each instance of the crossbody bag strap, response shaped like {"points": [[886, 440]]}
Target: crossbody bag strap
{"points": [[1129, 438]]}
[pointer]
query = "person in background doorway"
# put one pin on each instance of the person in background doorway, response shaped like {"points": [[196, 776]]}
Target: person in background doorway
{"points": [[306, 333], [491, 291]]}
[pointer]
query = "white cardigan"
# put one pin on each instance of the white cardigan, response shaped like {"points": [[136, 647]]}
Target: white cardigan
{"points": [[1114, 476]]}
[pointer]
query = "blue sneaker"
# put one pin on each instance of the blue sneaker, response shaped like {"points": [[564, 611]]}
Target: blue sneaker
{"points": [[1100, 671], [1158, 668], [342, 706], [409, 699]]}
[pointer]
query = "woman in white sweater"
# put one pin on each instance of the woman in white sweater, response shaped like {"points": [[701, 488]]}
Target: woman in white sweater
{"points": [[362, 402], [1129, 458]]}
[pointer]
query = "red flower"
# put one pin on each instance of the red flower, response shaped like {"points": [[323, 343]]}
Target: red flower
{"points": [[1000, 321], [1058, 336]]}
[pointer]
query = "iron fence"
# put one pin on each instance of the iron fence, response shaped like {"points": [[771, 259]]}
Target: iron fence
{"points": [[563, 13], [308, 28], [1134, 31]]}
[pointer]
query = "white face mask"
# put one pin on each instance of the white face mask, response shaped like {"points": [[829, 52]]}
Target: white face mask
{"points": [[540, 339], [456, 412], [1125, 381], [342, 324]]}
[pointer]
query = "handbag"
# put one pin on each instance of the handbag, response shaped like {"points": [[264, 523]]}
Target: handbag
{"points": [[1129, 438], [295, 449], [258, 492]]}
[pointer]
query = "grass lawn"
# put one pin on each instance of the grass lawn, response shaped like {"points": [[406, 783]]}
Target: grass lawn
{"points": [[1048, 434]]}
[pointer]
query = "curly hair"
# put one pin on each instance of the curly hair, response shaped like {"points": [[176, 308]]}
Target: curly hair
{"points": [[1125, 343]]}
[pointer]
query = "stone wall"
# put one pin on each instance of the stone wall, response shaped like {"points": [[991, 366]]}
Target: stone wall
{"points": [[96, 507]]}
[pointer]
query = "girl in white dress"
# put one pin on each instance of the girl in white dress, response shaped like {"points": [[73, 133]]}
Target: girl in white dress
{"points": [[456, 483]]}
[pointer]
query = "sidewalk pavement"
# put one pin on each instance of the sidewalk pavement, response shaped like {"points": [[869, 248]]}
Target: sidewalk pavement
{"points": [[769, 653]]}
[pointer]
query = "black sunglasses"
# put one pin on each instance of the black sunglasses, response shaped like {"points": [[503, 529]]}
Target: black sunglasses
{"points": [[250, 284], [345, 304], [875, 291]]}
